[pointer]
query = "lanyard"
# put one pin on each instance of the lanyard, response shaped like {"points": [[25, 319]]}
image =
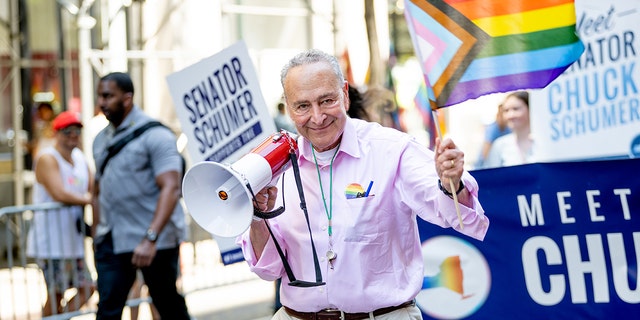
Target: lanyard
{"points": [[327, 210], [331, 255]]}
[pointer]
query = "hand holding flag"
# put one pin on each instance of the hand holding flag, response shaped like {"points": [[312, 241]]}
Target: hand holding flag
{"points": [[470, 48]]}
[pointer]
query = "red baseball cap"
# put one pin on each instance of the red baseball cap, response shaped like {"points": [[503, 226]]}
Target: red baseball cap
{"points": [[65, 119]]}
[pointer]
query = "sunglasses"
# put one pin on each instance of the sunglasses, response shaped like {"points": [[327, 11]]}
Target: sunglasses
{"points": [[69, 130]]}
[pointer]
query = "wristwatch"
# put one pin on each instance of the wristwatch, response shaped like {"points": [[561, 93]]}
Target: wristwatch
{"points": [[151, 236]]}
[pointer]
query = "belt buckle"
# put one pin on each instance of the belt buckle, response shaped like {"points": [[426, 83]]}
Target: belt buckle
{"points": [[331, 310]]}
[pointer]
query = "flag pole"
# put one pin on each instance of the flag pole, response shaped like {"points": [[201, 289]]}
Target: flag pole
{"points": [[434, 114]]}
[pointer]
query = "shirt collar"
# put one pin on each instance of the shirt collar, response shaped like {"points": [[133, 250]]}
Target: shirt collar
{"points": [[131, 120]]}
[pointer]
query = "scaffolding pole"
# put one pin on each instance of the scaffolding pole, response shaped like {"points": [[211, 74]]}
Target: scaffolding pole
{"points": [[85, 24], [16, 104]]}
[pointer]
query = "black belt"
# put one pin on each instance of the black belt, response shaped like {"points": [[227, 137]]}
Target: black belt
{"points": [[331, 314]]}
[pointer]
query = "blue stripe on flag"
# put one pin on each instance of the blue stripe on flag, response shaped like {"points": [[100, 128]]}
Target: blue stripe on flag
{"points": [[523, 62]]}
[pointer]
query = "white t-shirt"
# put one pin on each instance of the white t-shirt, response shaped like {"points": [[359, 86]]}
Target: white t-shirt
{"points": [[505, 152], [53, 233]]}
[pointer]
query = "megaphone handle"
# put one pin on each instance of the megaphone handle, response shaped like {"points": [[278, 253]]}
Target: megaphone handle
{"points": [[270, 214]]}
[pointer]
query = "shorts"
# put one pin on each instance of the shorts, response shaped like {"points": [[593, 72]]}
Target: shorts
{"points": [[63, 274]]}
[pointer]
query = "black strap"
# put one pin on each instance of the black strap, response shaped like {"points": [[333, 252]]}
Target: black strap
{"points": [[303, 205], [116, 147]]}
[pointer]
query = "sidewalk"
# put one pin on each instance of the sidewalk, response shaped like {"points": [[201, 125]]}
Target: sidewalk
{"points": [[228, 292], [217, 292], [251, 300], [212, 291]]}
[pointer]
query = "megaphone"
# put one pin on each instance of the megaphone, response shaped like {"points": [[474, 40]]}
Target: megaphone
{"points": [[219, 196]]}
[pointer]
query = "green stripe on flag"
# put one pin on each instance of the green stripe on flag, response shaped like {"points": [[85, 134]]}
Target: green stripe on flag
{"points": [[529, 41]]}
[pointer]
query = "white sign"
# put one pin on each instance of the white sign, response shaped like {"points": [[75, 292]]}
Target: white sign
{"points": [[223, 114], [593, 109], [220, 106]]}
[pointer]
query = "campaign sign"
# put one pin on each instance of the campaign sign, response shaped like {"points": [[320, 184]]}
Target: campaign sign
{"points": [[220, 106], [563, 243], [223, 114], [592, 110]]}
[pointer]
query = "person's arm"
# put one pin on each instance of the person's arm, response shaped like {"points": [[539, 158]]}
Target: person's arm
{"points": [[169, 184], [95, 207], [258, 232], [48, 174]]}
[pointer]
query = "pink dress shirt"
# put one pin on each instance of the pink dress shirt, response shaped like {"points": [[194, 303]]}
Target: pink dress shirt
{"points": [[379, 261]]}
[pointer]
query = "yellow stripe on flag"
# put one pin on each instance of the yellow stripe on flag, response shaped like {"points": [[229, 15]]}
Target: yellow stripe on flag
{"points": [[529, 21]]}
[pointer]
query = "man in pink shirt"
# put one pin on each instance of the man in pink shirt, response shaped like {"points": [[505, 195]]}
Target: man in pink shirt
{"points": [[364, 185]]}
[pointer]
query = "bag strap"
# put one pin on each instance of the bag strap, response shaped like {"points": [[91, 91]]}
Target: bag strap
{"points": [[116, 147]]}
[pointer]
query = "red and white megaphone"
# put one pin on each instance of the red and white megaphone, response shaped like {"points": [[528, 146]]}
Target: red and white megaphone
{"points": [[219, 196]]}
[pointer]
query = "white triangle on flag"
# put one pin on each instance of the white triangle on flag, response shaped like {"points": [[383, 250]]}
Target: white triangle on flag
{"points": [[426, 49]]}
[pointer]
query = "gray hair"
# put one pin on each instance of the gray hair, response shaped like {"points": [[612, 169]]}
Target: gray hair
{"points": [[312, 56]]}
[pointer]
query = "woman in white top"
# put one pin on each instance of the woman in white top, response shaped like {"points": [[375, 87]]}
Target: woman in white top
{"points": [[516, 147], [56, 238]]}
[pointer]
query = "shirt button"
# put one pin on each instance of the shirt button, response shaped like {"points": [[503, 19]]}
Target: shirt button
{"points": [[324, 228]]}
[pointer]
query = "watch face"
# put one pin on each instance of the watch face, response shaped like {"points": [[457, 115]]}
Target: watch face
{"points": [[152, 236]]}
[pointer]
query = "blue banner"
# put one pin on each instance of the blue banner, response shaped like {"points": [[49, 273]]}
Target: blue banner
{"points": [[564, 243]]}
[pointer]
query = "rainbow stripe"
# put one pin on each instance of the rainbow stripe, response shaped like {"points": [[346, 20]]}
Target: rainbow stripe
{"points": [[353, 191], [469, 48], [450, 276]]}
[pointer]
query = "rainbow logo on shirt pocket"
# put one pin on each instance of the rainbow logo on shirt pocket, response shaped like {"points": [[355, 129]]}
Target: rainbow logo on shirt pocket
{"points": [[355, 190]]}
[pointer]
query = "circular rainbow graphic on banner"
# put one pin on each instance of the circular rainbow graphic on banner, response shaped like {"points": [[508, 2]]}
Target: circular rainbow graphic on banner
{"points": [[353, 191], [457, 278]]}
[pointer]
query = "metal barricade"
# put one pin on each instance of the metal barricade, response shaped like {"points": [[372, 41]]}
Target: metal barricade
{"points": [[24, 289]]}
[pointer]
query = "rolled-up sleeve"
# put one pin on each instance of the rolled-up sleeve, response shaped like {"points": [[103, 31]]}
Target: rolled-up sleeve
{"points": [[269, 265], [475, 223], [417, 173]]}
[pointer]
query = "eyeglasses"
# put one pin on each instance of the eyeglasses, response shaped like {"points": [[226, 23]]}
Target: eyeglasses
{"points": [[324, 104], [69, 130]]}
